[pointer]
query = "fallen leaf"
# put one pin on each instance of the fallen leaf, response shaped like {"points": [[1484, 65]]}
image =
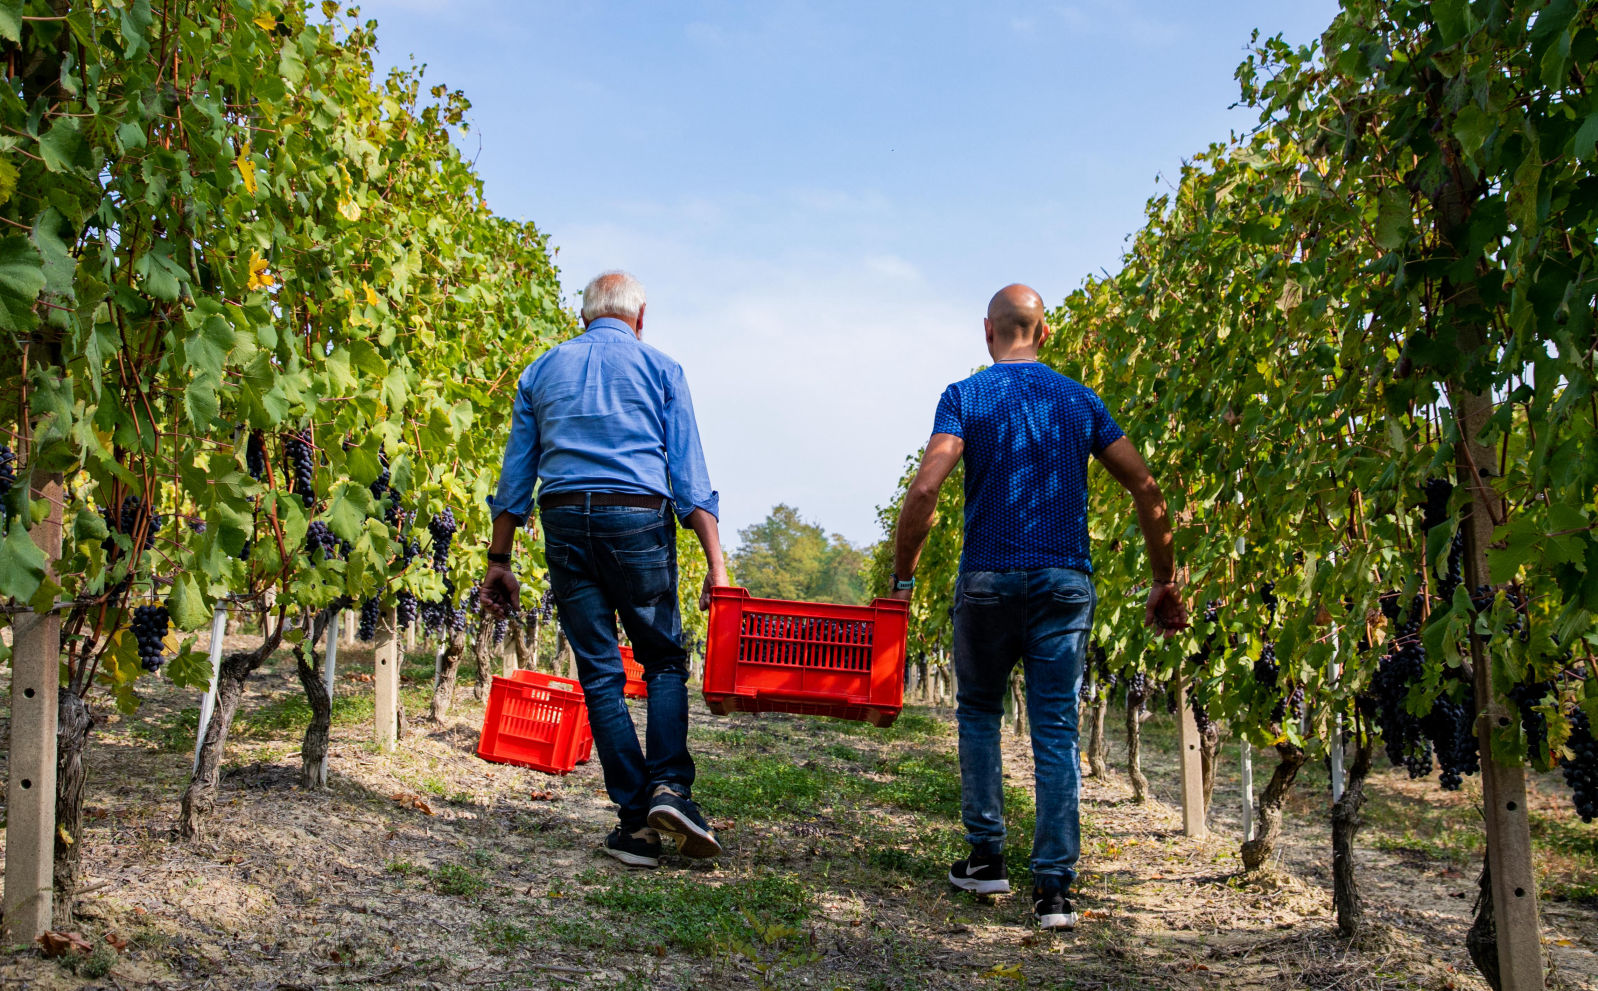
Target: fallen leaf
{"points": [[412, 801], [117, 942], [59, 944], [1008, 971], [542, 796]]}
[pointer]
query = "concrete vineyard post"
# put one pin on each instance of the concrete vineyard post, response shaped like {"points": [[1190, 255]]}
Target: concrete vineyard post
{"points": [[29, 899], [1245, 760], [208, 703], [385, 674], [328, 669], [1192, 763]]}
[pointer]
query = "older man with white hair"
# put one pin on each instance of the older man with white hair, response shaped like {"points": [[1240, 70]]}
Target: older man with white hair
{"points": [[604, 428]]}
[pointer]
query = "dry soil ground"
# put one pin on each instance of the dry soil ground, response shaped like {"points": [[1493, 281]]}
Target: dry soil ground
{"points": [[429, 868]]}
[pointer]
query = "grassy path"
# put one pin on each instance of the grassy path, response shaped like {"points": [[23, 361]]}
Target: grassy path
{"points": [[431, 869]]}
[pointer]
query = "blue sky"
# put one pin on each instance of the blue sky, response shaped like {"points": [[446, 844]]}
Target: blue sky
{"points": [[821, 197]]}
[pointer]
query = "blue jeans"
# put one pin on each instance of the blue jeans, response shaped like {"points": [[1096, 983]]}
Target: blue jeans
{"points": [[1042, 618], [610, 561]]}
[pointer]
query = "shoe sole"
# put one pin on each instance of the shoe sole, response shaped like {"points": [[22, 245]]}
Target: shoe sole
{"points": [[632, 859], [1057, 921], [691, 840], [977, 887]]}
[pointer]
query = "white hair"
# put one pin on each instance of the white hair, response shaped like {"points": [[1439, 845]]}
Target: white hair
{"points": [[613, 294]]}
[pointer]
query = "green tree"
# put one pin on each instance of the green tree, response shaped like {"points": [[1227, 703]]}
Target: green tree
{"points": [[786, 557]]}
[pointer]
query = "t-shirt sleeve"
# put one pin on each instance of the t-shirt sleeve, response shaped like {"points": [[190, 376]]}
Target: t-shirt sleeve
{"points": [[947, 419], [1105, 430]]}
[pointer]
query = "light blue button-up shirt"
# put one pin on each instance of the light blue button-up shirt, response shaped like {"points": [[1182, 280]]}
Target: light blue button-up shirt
{"points": [[604, 412]]}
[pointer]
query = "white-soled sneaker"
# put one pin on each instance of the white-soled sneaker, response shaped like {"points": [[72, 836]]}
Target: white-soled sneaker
{"points": [[981, 875], [1050, 906]]}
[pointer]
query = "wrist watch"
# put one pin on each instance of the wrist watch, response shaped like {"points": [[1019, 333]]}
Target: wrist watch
{"points": [[902, 584], [498, 558]]}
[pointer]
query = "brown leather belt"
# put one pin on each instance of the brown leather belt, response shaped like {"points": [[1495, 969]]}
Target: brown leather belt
{"points": [[563, 499]]}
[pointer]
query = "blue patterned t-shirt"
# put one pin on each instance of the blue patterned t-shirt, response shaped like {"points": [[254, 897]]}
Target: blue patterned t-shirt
{"points": [[1028, 432]]}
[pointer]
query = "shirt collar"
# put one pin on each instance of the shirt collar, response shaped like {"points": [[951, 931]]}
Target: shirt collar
{"points": [[611, 323]]}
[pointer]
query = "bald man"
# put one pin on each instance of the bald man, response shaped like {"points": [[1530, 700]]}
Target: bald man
{"points": [[1025, 591]]}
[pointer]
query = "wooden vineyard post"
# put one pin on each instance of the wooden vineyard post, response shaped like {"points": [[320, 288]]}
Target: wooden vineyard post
{"points": [[29, 899], [385, 674], [1245, 763], [208, 703], [1192, 763]]}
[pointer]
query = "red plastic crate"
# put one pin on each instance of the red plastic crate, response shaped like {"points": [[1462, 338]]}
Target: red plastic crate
{"points": [[536, 720], [635, 687], [813, 658]]}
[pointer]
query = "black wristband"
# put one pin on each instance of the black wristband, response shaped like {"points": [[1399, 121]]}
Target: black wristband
{"points": [[498, 558]]}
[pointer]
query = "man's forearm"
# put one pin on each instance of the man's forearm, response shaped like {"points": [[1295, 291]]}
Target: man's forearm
{"points": [[504, 538], [910, 535], [708, 531], [1155, 522]]}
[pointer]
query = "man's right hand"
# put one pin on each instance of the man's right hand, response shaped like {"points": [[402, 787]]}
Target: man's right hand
{"points": [[1165, 611], [713, 578], [500, 592]]}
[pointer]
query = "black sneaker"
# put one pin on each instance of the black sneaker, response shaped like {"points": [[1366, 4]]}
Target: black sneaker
{"points": [[981, 874], [670, 813], [635, 848], [1050, 906]]}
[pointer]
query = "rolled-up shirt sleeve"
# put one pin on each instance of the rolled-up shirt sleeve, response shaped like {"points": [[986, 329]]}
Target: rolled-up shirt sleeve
{"points": [[685, 456], [519, 471]]}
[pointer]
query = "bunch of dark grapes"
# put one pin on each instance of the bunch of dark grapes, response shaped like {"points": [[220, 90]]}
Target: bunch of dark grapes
{"points": [[404, 608], [371, 612], [302, 468], [1449, 726], [1533, 723], [1581, 768], [1266, 669], [1293, 705], [1137, 690], [380, 487], [198, 526], [149, 629], [442, 527], [128, 519], [1397, 670], [392, 514], [8, 472], [1170, 698], [457, 620], [546, 606], [1197, 700], [1434, 504], [501, 629], [255, 456], [1268, 596], [319, 538]]}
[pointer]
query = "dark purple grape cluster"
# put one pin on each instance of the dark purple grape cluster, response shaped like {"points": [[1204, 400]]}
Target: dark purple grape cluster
{"points": [[1397, 670], [442, 527], [546, 606], [1581, 768], [319, 538], [380, 487], [8, 472], [457, 620], [149, 627], [1137, 690], [197, 526], [404, 608], [132, 515], [1266, 669], [1434, 502], [501, 630], [371, 612], [1268, 597], [1451, 728], [255, 455], [301, 465], [1198, 700], [1533, 723]]}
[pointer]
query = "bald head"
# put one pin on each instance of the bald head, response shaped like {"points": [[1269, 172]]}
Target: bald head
{"points": [[1016, 315]]}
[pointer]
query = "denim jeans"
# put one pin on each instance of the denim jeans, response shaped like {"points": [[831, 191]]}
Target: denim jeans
{"points": [[1042, 618], [610, 561]]}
